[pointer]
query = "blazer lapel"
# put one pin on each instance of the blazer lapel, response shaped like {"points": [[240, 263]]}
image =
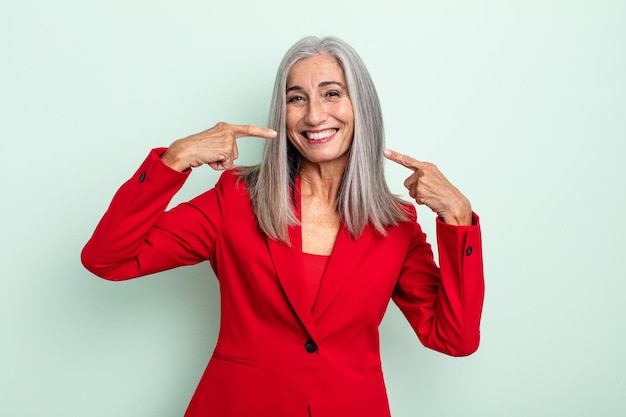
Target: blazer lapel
{"points": [[346, 255], [288, 264], [289, 268]]}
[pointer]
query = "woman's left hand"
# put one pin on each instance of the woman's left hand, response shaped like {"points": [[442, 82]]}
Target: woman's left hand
{"points": [[429, 187]]}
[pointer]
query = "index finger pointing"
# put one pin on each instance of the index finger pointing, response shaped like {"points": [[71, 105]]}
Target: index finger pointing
{"points": [[253, 131], [402, 159]]}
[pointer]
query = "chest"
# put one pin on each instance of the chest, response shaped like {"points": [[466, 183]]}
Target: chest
{"points": [[320, 226]]}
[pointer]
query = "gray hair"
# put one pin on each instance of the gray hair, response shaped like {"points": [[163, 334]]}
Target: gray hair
{"points": [[363, 195]]}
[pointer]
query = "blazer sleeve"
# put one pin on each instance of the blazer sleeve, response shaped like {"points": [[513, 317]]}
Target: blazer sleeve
{"points": [[137, 236], [444, 304]]}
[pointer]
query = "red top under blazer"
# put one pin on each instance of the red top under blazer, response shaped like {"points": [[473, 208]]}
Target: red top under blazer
{"points": [[275, 356]]}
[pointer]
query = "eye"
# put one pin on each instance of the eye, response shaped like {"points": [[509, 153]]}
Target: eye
{"points": [[333, 94], [295, 99]]}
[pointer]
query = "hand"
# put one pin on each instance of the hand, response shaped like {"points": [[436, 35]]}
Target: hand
{"points": [[429, 187], [216, 147]]}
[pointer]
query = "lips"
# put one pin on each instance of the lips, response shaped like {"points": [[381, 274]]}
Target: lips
{"points": [[319, 135]]}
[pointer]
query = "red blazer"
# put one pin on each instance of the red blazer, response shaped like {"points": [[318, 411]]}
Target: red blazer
{"points": [[275, 355]]}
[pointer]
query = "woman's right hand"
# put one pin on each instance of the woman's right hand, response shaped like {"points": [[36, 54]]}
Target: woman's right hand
{"points": [[216, 147]]}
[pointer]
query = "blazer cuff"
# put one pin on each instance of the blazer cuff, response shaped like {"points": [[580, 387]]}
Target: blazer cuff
{"points": [[154, 171], [475, 222]]}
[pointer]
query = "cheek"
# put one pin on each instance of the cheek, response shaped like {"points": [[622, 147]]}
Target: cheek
{"points": [[291, 119], [347, 115], [291, 125]]}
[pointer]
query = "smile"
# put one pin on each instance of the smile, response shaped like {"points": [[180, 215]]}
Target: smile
{"points": [[320, 135]]}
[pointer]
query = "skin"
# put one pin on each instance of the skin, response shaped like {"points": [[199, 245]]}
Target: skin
{"points": [[319, 107], [429, 187], [216, 147]]}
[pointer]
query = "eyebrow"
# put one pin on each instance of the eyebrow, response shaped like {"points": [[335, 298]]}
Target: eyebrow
{"points": [[322, 84]]}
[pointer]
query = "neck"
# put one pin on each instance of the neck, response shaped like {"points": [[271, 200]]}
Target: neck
{"points": [[321, 181]]}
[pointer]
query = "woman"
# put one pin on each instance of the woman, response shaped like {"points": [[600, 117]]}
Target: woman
{"points": [[309, 246]]}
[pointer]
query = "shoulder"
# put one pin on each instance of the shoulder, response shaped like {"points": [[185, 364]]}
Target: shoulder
{"points": [[232, 180], [228, 193], [408, 210], [403, 226]]}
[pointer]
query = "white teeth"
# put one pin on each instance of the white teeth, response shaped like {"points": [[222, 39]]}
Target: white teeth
{"points": [[320, 135]]}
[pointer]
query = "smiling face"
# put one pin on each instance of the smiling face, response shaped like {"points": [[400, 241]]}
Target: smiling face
{"points": [[320, 120]]}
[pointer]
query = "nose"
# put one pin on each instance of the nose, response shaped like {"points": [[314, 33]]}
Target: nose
{"points": [[315, 113]]}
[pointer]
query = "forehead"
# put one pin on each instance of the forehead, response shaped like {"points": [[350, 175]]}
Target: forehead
{"points": [[315, 69]]}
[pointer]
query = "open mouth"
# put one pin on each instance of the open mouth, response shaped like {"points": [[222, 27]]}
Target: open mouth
{"points": [[319, 135]]}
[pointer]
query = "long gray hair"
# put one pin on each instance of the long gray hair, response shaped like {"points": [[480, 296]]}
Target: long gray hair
{"points": [[363, 195]]}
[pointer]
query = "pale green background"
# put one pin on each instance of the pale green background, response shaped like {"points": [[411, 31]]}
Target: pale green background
{"points": [[521, 104]]}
